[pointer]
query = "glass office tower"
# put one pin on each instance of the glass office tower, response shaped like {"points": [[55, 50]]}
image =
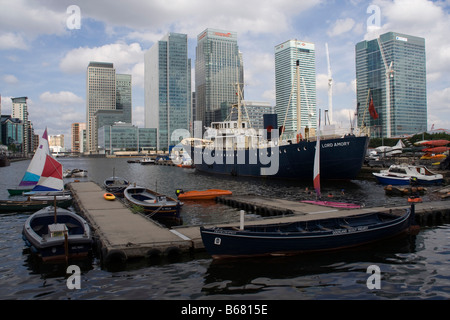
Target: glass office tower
{"points": [[218, 70], [168, 88], [403, 59], [124, 97], [100, 95], [286, 84]]}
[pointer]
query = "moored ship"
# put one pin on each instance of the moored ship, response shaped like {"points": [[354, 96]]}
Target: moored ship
{"points": [[234, 148], [341, 158]]}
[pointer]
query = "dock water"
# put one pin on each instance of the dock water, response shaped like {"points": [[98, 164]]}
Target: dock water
{"points": [[123, 234]]}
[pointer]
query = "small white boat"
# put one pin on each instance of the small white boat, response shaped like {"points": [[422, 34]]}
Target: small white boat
{"points": [[405, 174], [75, 173], [147, 161]]}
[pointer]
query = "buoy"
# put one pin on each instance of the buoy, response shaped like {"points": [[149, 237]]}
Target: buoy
{"points": [[109, 196]]}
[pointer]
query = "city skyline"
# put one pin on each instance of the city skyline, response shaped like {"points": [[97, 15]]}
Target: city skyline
{"points": [[44, 56]]}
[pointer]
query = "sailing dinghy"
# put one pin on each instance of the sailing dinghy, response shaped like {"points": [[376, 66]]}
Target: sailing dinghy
{"points": [[34, 171], [316, 177]]}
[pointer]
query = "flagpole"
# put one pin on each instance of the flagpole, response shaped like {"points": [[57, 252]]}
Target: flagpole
{"points": [[316, 173]]}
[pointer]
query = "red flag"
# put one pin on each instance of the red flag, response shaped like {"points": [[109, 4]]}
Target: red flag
{"points": [[372, 111]]}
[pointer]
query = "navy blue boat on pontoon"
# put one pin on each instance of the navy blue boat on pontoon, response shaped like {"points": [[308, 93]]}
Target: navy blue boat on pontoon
{"points": [[305, 236], [57, 234]]}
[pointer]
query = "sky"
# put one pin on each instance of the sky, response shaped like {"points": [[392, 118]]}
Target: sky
{"points": [[46, 46]]}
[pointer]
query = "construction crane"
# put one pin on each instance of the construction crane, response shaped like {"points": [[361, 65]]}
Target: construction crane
{"points": [[389, 74], [330, 87]]}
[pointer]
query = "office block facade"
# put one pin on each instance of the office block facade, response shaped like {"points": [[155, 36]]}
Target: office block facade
{"points": [[20, 111], [12, 131], [286, 85], [125, 137], [218, 71], [77, 137], [253, 111], [100, 95], [395, 79], [124, 96], [168, 93]]}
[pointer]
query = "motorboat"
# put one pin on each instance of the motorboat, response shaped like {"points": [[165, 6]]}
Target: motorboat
{"points": [[406, 174]]}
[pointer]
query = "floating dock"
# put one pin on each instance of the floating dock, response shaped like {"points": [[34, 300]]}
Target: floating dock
{"points": [[122, 234]]}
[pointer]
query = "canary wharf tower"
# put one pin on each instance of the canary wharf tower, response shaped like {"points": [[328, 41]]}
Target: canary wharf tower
{"points": [[168, 100], [288, 84], [391, 70], [218, 69]]}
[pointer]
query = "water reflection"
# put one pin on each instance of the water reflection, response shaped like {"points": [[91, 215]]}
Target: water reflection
{"points": [[303, 272]]}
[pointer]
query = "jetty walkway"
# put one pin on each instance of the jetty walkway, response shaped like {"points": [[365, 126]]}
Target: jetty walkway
{"points": [[123, 234]]}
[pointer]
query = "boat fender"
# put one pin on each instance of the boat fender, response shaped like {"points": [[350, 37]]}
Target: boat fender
{"points": [[299, 137], [153, 253], [115, 256], [172, 253]]}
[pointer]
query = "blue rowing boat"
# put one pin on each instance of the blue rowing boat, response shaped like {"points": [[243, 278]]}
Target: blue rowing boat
{"points": [[305, 236]]}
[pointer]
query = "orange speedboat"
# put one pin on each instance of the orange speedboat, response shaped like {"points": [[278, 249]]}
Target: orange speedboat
{"points": [[202, 195]]}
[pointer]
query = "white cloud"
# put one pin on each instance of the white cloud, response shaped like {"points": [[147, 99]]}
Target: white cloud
{"points": [[10, 79], [31, 17], [23, 20], [439, 101], [12, 41], [339, 87], [6, 107], [62, 98], [420, 18], [191, 17], [123, 56], [341, 26]]}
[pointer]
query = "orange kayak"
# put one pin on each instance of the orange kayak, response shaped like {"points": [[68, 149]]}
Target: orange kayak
{"points": [[203, 195]]}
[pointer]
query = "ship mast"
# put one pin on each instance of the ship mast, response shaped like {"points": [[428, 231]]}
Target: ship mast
{"points": [[239, 105], [299, 113]]}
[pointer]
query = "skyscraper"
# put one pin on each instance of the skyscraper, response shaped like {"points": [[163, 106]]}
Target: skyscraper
{"points": [[218, 69], [100, 95], [20, 111], [124, 96], [286, 84], [77, 138], [168, 105], [394, 78]]}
